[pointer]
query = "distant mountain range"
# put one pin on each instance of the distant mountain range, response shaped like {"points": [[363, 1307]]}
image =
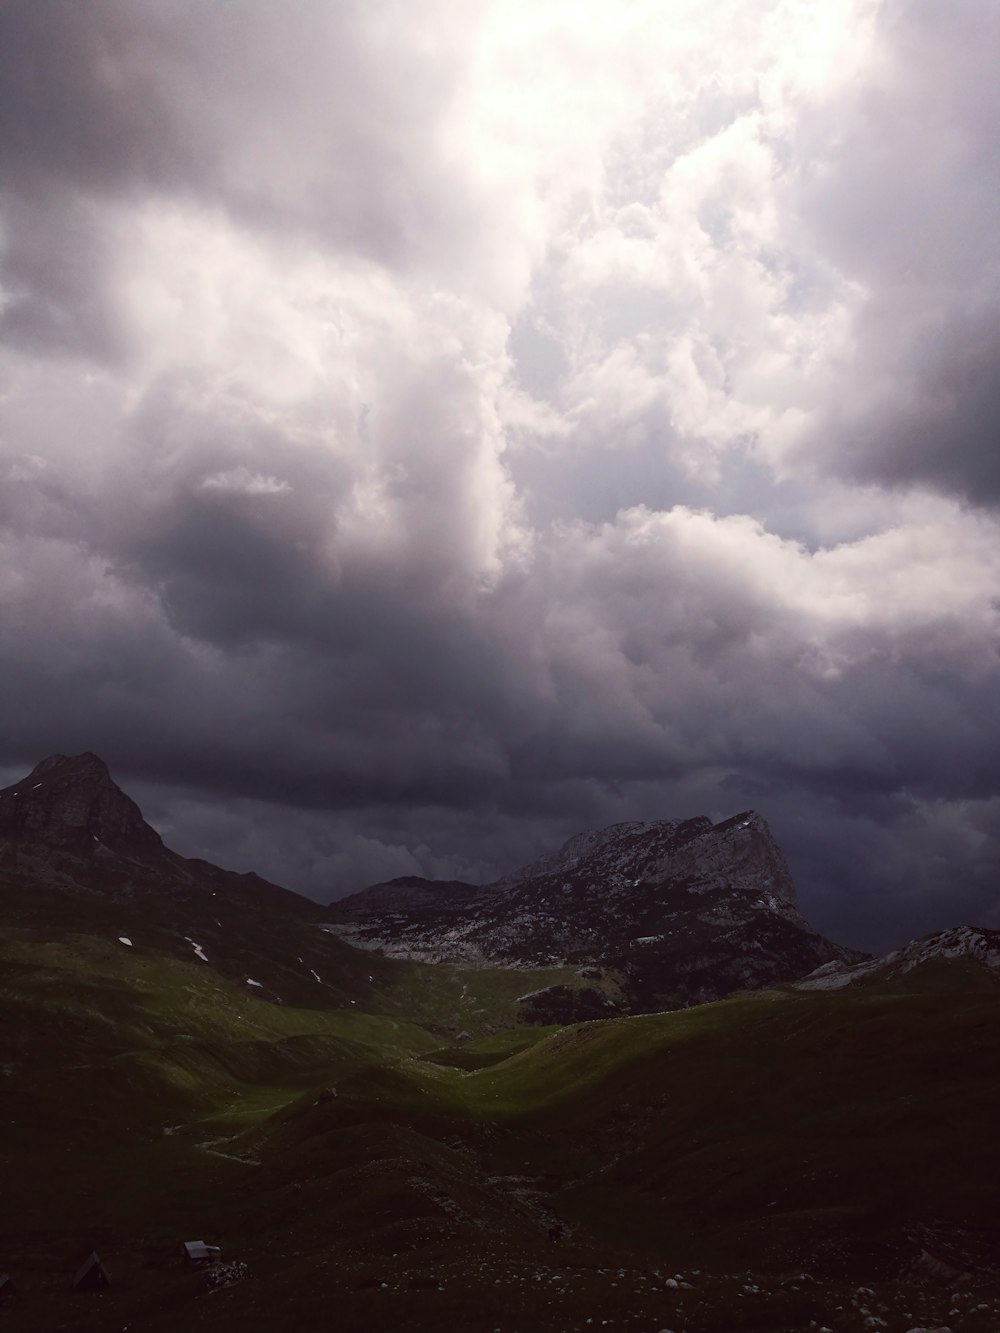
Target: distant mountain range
{"points": [[648, 916], [961, 953]]}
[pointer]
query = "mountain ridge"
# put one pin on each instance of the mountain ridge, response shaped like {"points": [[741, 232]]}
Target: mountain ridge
{"points": [[69, 826], [684, 909], [956, 945]]}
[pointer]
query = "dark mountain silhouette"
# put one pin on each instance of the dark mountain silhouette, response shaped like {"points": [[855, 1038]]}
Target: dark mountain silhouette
{"points": [[77, 858], [68, 825], [71, 801]]}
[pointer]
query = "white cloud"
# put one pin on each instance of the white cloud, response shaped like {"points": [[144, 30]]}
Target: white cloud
{"points": [[242, 480]]}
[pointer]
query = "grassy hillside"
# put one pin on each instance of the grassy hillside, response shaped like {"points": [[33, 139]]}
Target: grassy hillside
{"points": [[149, 1031], [357, 1157]]}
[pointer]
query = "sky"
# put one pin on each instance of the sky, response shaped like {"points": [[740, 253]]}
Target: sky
{"points": [[429, 428]]}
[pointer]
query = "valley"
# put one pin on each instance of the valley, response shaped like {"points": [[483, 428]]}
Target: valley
{"points": [[377, 1143]]}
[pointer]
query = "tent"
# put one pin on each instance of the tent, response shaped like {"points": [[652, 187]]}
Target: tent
{"points": [[91, 1275]]}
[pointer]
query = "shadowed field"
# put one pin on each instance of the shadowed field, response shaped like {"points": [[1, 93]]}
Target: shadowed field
{"points": [[527, 1178]]}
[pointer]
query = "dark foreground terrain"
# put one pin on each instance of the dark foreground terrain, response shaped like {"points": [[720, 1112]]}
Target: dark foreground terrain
{"points": [[775, 1162]]}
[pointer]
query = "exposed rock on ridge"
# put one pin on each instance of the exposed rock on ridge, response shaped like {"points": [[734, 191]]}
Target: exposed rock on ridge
{"points": [[959, 946], [67, 801], [684, 910]]}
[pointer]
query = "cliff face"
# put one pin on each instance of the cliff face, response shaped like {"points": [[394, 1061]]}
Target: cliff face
{"points": [[684, 910]]}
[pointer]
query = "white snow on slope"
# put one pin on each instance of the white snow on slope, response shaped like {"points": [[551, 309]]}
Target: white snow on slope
{"points": [[124, 939], [197, 948]]}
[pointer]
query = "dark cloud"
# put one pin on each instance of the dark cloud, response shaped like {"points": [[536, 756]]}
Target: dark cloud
{"points": [[396, 479], [327, 120], [902, 192], [934, 420]]}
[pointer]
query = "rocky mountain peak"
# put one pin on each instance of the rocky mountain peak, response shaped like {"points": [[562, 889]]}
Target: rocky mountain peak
{"points": [[72, 800], [742, 848], [682, 909], [69, 827], [629, 839]]}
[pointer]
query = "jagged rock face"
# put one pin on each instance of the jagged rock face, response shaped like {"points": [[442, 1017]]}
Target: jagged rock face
{"points": [[685, 909], [957, 945], [67, 801]]}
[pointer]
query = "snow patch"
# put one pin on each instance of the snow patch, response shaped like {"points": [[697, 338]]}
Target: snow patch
{"points": [[124, 939], [250, 982], [199, 951]]}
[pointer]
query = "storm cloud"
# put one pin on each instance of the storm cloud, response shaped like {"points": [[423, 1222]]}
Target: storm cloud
{"points": [[429, 429]]}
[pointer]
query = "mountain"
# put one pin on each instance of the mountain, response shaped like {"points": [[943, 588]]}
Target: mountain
{"points": [[682, 911], [78, 863], [964, 958], [70, 801], [77, 858], [68, 825]]}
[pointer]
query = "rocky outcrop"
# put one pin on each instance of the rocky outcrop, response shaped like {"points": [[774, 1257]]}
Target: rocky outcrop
{"points": [[973, 949], [70, 800], [683, 910]]}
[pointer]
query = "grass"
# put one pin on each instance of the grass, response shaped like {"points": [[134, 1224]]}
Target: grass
{"points": [[476, 1001], [764, 1132], [490, 1050], [109, 1046], [746, 1109]]}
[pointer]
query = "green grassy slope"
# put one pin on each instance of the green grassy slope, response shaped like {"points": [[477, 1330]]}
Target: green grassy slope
{"points": [[539, 1177], [295, 962], [743, 1141], [731, 1110]]}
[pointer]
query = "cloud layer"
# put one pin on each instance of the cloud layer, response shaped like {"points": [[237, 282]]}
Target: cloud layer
{"points": [[428, 429]]}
